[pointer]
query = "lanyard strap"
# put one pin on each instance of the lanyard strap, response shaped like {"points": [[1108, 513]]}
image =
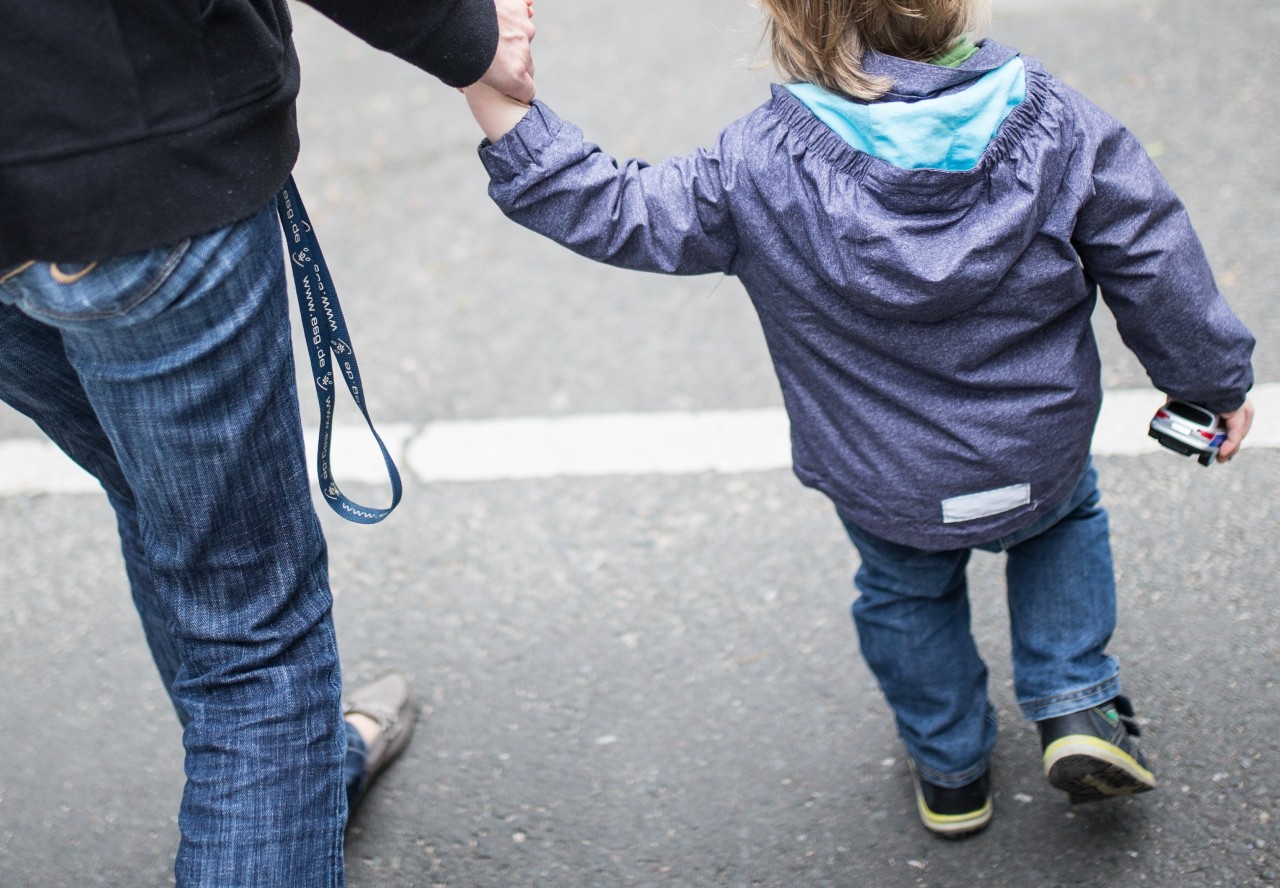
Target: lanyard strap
{"points": [[329, 347]]}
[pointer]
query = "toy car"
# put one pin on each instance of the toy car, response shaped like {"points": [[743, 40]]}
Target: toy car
{"points": [[1188, 429]]}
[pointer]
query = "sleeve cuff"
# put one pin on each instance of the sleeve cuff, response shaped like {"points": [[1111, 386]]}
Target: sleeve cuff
{"points": [[523, 146], [462, 48]]}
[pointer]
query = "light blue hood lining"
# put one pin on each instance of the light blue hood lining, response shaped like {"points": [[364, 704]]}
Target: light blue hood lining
{"points": [[947, 132]]}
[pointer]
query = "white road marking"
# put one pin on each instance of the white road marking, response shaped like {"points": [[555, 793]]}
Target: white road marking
{"points": [[725, 442], [613, 444]]}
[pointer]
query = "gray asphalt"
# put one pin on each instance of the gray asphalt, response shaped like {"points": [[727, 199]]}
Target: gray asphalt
{"points": [[654, 681]]}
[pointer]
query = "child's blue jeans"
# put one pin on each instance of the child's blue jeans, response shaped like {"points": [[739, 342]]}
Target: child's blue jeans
{"points": [[912, 617]]}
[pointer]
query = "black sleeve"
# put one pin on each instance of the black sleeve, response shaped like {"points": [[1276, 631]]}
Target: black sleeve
{"points": [[453, 39]]}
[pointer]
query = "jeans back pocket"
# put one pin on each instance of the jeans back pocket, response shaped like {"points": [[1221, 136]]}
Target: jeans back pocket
{"points": [[94, 291]]}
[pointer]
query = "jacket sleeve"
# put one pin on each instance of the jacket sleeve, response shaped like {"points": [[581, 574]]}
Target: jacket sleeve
{"points": [[453, 39], [671, 217], [1136, 241]]}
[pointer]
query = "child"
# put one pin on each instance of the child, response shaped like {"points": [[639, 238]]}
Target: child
{"points": [[923, 224]]}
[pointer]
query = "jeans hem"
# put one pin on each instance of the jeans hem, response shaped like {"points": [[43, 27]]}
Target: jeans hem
{"points": [[962, 778], [953, 781], [1072, 701]]}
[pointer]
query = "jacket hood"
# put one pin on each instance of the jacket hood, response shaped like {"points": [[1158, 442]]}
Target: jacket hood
{"points": [[921, 80], [915, 226]]}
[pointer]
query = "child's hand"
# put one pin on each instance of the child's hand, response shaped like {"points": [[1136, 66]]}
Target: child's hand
{"points": [[1238, 423], [496, 112]]}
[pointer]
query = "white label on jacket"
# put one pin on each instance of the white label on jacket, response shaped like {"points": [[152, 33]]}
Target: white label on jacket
{"points": [[972, 506]]}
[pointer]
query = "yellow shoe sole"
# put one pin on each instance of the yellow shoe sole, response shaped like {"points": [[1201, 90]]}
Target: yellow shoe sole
{"points": [[1090, 769]]}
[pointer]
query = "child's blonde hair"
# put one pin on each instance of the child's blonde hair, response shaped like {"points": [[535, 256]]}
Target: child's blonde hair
{"points": [[822, 41]]}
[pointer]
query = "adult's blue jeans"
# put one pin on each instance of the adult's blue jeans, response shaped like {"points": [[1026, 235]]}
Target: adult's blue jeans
{"points": [[913, 622], [169, 376]]}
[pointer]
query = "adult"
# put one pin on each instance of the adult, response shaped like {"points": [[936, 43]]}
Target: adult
{"points": [[145, 313]]}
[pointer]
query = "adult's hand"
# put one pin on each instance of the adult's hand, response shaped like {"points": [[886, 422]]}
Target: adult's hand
{"points": [[512, 68]]}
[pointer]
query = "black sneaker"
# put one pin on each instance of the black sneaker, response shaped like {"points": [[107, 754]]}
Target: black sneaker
{"points": [[953, 812], [1093, 754]]}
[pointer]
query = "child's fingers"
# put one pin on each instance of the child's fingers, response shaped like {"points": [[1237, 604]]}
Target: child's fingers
{"points": [[1238, 424]]}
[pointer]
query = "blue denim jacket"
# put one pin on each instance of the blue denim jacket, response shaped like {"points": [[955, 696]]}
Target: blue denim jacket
{"points": [[930, 328]]}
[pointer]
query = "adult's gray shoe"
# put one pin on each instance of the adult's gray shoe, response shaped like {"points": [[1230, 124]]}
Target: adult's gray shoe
{"points": [[388, 702]]}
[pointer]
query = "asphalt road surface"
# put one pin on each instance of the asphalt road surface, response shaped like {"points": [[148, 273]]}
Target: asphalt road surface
{"points": [[645, 679]]}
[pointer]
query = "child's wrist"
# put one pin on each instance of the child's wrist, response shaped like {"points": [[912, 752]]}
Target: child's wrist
{"points": [[496, 112]]}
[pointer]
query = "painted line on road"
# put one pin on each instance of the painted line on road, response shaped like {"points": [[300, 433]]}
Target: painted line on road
{"points": [[725, 442]]}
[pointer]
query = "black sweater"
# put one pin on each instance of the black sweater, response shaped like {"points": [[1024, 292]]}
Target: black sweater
{"points": [[127, 124]]}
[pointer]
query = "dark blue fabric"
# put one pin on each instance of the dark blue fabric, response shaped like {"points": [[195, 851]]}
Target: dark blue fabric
{"points": [[355, 775], [169, 375], [930, 329], [331, 353]]}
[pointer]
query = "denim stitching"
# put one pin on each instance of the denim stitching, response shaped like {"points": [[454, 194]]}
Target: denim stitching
{"points": [[15, 271], [166, 269], [1107, 689], [967, 776]]}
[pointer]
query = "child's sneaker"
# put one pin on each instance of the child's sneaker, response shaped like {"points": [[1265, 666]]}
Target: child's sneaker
{"points": [[953, 812], [1093, 754]]}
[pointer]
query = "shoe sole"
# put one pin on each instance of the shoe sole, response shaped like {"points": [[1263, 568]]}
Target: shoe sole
{"points": [[1089, 769], [952, 826]]}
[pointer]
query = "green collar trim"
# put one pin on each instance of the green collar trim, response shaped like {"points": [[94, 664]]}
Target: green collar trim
{"points": [[958, 54]]}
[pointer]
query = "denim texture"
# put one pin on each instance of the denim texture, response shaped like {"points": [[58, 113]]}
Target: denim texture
{"points": [[169, 376], [354, 774], [913, 622]]}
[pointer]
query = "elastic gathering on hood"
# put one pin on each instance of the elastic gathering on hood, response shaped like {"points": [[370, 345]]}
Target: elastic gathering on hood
{"points": [[946, 132]]}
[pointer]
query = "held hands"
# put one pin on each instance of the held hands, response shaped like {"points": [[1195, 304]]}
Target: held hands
{"points": [[501, 98], [512, 69]]}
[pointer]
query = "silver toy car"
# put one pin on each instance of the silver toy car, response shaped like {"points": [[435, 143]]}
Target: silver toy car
{"points": [[1189, 429]]}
